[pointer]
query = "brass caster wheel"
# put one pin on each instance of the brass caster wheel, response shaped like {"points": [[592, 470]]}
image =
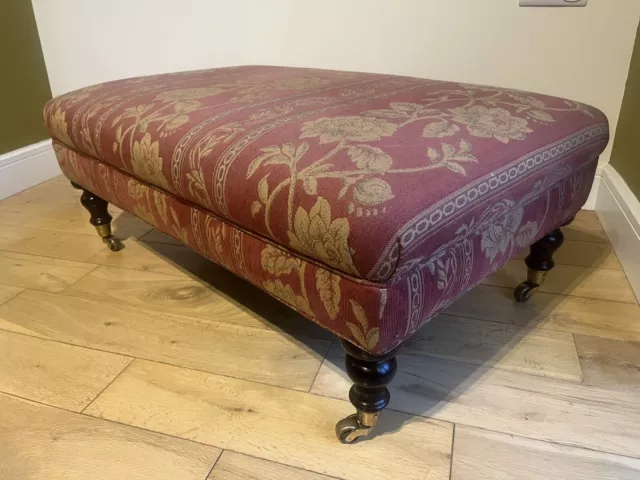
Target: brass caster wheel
{"points": [[524, 291], [350, 429], [113, 243]]}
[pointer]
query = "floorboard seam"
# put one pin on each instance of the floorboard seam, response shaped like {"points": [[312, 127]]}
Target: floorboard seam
{"points": [[108, 385], [324, 357]]}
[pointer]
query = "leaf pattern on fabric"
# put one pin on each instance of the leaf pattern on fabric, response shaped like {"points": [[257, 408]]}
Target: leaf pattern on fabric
{"points": [[58, 126], [147, 163], [353, 144], [277, 262], [359, 129], [372, 191], [440, 130], [370, 159], [286, 294], [497, 237], [328, 286], [527, 234], [317, 235], [491, 122], [365, 337]]}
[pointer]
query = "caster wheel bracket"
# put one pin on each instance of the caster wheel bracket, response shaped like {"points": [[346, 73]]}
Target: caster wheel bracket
{"points": [[352, 428]]}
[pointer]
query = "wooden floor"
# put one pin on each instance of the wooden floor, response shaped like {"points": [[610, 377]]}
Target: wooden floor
{"points": [[152, 363]]}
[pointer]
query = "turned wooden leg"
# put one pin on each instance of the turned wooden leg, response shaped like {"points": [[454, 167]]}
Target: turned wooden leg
{"points": [[100, 217], [540, 262], [369, 394]]}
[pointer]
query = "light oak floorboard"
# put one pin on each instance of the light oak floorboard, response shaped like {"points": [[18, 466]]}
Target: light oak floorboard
{"points": [[54, 373], [554, 312], [527, 405], [570, 280], [40, 273], [155, 258], [539, 352], [585, 228], [243, 416], [583, 254], [39, 442], [607, 363], [236, 466], [195, 297], [7, 292], [251, 353], [484, 455], [50, 243]]}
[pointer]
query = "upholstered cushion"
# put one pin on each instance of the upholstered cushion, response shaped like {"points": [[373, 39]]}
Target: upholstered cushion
{"points": [[375, 316], [369, 175]]}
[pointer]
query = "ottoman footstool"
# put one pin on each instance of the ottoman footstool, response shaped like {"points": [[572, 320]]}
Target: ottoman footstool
{"points": [[366, 202]]}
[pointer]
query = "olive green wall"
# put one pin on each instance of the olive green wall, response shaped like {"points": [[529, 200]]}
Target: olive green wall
{"points": [[24, 86], [625, 157]]}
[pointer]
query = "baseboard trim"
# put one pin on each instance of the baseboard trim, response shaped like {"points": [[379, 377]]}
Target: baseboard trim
{"points": [[26, 167], [619, 211], [593, 195]]}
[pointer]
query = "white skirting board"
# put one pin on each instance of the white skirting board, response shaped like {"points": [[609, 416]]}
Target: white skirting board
{"points": [[619, 211], [593, 195], [26, 167]]}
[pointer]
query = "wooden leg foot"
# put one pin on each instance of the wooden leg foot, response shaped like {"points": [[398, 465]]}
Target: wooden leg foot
{"points": [[539, 263], [369, 394], [100, 218]]}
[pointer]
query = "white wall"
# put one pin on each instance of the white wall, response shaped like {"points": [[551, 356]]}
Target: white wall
{"points": [[579, 53]]}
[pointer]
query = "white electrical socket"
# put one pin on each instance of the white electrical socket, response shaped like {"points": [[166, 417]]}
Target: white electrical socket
{"points": [[553, 3]]}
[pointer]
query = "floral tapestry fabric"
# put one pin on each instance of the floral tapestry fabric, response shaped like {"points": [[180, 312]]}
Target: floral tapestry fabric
{"points": [[375, 316], [364, 175]]}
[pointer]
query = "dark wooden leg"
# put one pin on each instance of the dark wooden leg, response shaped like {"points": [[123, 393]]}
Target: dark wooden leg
{"points": [[539, 263], [369, 394], [100, 218]]}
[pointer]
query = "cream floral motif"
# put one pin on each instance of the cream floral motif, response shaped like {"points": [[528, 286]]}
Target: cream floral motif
{"points": [[359, 129], [527, 100], [179, 231], [147, 163], [370, 159], [183, 94], [140, 193], [451, 157], [527, 234], [497, 237], [136, 190], [58, 125], [507, 231], [328, 286], [316, 235], [372, 191], [363, 335], [160, 202], [440, 130], [276, 262], [539, 116], [286, 294], [491, 122], [300, 83]]}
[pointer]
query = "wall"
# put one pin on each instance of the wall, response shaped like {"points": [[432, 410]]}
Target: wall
{"points": [[625, 157], [24, 86], [580, 53]]}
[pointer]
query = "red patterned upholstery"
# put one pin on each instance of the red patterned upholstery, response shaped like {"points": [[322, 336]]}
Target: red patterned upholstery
{"points": [[367, 202]]}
